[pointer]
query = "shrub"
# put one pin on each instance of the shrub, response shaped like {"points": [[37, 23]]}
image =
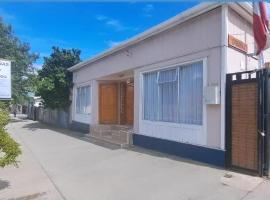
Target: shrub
{"points": [[9, 149], [4, 119]]}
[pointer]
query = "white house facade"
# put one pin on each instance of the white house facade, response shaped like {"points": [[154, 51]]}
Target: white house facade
{"points": [[167, 84]]}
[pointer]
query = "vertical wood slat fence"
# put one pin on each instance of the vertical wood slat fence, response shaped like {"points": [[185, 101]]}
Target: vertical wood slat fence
{"points": [[56, 117]]}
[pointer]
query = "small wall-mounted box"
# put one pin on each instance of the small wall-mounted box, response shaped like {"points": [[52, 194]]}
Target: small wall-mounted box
{"points": [[211, 95]]}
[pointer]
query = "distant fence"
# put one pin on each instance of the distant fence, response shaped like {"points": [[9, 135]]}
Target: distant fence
{"points": [[56, 117]]}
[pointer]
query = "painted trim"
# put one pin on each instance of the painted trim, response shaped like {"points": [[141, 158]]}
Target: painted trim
{"points": [[141, 102], [205, 81], [152, 69], [224, 57], [86, 83], [173, 124], [197, 153]]}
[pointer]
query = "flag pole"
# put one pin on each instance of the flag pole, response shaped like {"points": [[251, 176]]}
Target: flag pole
{"points": [[261, 60]]}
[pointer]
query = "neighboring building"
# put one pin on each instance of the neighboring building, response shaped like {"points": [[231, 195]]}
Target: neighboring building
{"points": [[37, 101], [33, 103], [168, 83]]}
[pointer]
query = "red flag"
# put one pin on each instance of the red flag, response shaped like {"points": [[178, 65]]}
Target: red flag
{"points": [[260, 26]]}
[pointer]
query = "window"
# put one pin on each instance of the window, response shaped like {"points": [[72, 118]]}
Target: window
{"points": [[174, 95], [167, 89], [150, 96], [83, 100]]}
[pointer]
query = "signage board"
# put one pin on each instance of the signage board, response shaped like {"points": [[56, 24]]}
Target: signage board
{"points": [[237, 44], [5, 79]]}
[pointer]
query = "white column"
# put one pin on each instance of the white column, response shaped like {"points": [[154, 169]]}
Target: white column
{"points": [[137, 101], [95, 103], [224, 44]]}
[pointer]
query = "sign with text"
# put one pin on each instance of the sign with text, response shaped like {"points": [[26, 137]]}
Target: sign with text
{"points": [[5, 79], [237, 44]]}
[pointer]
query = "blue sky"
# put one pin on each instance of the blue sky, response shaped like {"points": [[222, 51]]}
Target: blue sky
{"points": [[90, 27]]}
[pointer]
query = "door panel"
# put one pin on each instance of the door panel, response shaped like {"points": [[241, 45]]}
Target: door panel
{"points": [[129, 104], [244, 126], [108, 103], [122, 109]]}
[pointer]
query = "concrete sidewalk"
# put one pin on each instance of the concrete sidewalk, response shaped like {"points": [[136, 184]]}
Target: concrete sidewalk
{"points": [[55, 165]]}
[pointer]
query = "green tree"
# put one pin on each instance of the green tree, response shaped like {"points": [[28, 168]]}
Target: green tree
{"points": [[54, 80], [9, 149], [11, 48]]}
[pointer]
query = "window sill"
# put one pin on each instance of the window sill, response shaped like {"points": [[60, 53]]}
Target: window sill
{"points": [[174, 125], [83, 113]]}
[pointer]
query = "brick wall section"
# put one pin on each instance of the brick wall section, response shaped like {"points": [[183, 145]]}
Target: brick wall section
{"points": [[244, 126]]}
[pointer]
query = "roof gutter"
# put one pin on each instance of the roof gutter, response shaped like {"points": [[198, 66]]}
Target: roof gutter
{"points": [[243, 9]]}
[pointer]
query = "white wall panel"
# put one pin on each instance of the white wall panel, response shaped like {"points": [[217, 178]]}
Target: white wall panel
{"points": [[83, 118]]}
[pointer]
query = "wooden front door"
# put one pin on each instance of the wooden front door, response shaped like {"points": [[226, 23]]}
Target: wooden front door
{"points": [[129, 104], [108, 103]]}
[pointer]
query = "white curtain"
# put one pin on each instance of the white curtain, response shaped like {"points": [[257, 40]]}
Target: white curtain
{"points": [[83, 100], [191, 93], [167, 85], [150, 96], [88, 99], [174, 95]]}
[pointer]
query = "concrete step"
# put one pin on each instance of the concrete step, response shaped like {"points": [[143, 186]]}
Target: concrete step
{"points": [[117, 134], [104, 127], [105, 140]]}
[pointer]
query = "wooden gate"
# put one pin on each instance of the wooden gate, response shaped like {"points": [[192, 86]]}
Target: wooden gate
{"points": [[244, 130]]}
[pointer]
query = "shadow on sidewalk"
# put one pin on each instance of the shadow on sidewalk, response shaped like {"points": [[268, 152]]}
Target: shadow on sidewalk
{"points": [[19, 118], [13, 120], [150, 152], [4, 184], [34, 126]]}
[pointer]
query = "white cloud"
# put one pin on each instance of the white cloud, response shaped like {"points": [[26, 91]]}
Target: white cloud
{"points": [[116, 25], [37, 66], [101, 17], [113, 23], [148, 10], [112, 43]]}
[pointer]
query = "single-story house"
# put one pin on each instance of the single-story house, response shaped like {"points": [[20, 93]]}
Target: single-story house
{"points": [[166, 85]]}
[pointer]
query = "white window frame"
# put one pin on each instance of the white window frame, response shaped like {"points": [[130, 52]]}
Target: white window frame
{"points": [[75, 99], [173, 124]]}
